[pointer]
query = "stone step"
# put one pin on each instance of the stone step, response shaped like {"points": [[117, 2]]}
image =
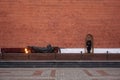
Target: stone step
{"points": [[59, 64]]}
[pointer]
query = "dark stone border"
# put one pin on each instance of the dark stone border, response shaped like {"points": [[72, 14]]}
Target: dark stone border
{"points": [[60, 64]]}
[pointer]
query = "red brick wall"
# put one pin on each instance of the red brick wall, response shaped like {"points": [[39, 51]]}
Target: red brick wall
{"points": [[63, 23]]}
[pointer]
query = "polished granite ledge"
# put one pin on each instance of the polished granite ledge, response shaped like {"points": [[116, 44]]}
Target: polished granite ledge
{"points": [[59, 64]]}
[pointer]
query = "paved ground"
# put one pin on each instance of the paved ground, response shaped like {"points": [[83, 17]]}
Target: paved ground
{"points": [[59, 73]]}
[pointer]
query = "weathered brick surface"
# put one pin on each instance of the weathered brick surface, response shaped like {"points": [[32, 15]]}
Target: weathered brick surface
{"points": [[42, 56], [69, 57], [14, 56], [63, 23], [113, 57]]}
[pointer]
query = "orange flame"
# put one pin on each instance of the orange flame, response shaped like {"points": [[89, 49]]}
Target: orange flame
{"points": [[26, 51]]}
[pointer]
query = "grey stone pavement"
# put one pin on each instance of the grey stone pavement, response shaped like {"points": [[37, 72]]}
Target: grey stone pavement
{"points": [[59, 73]]}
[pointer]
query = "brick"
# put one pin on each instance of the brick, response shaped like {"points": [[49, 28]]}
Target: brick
{"points": [[64, 23]]}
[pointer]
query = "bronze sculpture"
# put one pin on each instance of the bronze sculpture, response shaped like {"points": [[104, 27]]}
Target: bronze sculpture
{"points": [[47, 49]]}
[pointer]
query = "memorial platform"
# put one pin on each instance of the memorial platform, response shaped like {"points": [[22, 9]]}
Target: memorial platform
{"points": [[59, 60], [59, 56]]}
